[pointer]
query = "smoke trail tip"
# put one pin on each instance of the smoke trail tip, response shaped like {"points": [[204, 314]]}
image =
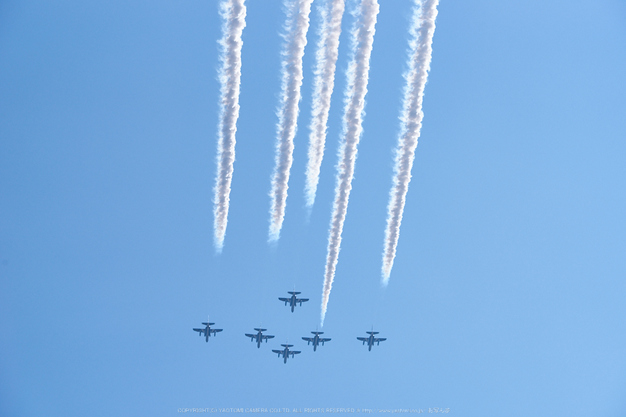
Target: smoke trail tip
{"points": [[274, 230], [386, 272], [273, 237], [218, 247], [307, 216], [385, 281]]}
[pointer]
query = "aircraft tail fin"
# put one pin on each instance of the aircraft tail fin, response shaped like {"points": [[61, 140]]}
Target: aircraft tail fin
{"points": [[293, 292], [260, 330]]}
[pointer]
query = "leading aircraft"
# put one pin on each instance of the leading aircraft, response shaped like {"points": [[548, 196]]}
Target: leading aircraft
{"points": [[316, 340], [207, 330], [293, 299], [286, 352], [371, 339], [259, 337]]}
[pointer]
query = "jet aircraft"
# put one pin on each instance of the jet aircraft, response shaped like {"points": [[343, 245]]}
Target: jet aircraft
{"points": [[286, 352], [207, 330], [316, 340], [259, 337], [371, 339], [293, 300]]}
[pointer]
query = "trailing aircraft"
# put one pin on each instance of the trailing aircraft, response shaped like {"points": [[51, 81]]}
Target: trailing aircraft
{"points": [[371, 339], [259, 337], [286, 352], [293, 300], [316, 340], [207, 330]]}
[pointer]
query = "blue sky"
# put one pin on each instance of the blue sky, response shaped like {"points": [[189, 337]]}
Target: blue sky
{"points": [[507, 293]]}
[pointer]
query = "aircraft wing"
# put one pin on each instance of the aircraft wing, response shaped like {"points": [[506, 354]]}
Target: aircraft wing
{"points": [[283, 299], [324, 339], [277, 351], [362, 339], [199, 330], [250, 335], [301, 300], [379, 339], [294, 352], [308, 339], [215, 330], [267, 337]]}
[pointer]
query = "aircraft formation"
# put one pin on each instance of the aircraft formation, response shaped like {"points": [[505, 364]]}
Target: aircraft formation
{"points": [[286, 352]]}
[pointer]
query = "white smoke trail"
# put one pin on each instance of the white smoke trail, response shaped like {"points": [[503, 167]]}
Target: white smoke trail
{"points": [[326, 60], [420, 52], [233, 13], [354, 103], [296, 28]]}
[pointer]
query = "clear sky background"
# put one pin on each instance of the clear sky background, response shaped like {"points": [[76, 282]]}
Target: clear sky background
{"points": [[507, 294]]}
